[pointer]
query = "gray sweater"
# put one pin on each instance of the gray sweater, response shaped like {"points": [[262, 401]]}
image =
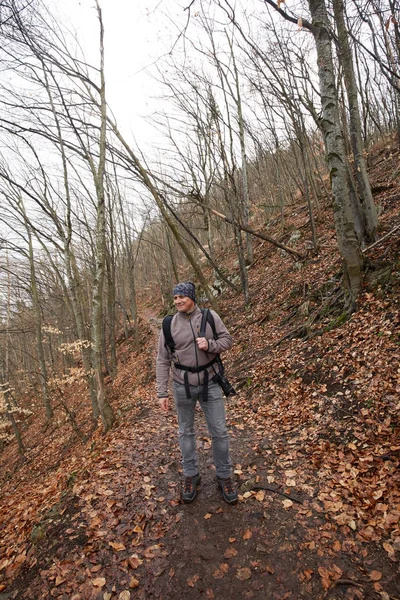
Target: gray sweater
{"points": [[185, 328]]}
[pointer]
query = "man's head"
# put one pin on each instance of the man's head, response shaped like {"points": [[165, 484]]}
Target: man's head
{"points": [[184, 296]]}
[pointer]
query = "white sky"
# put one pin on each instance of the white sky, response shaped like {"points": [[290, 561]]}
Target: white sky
{"points": [[137, 33]]}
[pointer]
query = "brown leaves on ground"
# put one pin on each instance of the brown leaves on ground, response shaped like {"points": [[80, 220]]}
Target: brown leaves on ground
{"points": [[243, 574], [316, 419]]}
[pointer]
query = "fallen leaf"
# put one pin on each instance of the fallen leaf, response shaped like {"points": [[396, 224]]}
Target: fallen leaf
{"points": [[60, 580], [134, 583], [192, 580], [269, 569], [389, 549], [208, 516], [247, 534], [287, 503], [243, 573], [99, 582], [125, 595], [230, 552], [260, 495], [134, 561], [290, 473], [149, 552], [117, 546], [232, 539], [96, 568], [325, 577], [337, 546], [210, 594], [221, 572], [375, 575], [4, 563], [308, 573]]}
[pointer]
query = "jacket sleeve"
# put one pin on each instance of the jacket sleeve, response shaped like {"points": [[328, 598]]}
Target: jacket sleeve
{"points": [[224, 341], [163, 366]]}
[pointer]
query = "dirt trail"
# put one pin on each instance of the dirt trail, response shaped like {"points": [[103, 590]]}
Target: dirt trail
{"points": [[125, 534]]}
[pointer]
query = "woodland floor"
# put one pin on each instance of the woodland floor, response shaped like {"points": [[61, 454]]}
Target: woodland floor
{"points": [[314, 441]]}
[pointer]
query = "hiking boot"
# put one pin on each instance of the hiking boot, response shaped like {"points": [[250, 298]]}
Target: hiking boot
{"points": [[229, 491], [190, 487]]}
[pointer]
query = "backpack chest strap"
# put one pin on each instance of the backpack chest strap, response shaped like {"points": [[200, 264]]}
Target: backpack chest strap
{"points": [[196, 369]]}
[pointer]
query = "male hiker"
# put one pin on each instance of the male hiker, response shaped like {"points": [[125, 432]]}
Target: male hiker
{"points": [[195, 362]]}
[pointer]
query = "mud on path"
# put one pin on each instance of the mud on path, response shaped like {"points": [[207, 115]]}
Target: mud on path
{"points": [[121, 531]]}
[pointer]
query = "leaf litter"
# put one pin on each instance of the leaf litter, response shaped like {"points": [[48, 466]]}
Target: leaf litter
{"points": [[315, 443]]}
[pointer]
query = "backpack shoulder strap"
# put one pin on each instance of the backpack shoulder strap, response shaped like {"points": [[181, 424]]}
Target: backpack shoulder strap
{"points": [[166, 327], [207, 318]]}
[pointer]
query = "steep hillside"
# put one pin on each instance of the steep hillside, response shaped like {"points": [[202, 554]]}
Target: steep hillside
{"points": [[315, 442]]}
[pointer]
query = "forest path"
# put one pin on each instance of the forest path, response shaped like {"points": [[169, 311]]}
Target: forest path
{"points": [[125, 534]]}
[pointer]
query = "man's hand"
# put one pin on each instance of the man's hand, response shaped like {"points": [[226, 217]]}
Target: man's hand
{"points": [[202, 343], [164, 403]]}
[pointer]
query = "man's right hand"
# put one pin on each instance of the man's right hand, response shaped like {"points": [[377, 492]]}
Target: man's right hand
{"points": [[164, 403]]}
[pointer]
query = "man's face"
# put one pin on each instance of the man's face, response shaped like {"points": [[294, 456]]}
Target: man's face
{"points": [[183, 303]]}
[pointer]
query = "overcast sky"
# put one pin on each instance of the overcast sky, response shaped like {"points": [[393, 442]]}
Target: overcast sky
{"points": [[137, 33]]}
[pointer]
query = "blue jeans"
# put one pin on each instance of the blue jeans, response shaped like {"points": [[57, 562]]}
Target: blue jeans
{"points": [[214, 411]]}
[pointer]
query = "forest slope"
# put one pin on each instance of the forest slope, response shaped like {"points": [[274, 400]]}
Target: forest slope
{"points": [[314, 441]]}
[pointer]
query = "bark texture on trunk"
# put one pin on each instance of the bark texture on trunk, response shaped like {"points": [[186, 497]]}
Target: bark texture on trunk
{"points": [[335, 154], [369, 214], [105, 409]]}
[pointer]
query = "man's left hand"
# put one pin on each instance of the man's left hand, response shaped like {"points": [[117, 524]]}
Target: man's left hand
{"points": [[202, 344]]}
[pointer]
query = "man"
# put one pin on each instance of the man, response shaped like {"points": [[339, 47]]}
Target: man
{"points": [[196, 384]]}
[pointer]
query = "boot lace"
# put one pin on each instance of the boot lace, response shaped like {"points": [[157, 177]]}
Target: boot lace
{"points": [[228, 485], [188, 485]]}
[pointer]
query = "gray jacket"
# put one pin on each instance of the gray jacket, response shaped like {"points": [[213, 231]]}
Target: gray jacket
{"points": [[185, 328]]}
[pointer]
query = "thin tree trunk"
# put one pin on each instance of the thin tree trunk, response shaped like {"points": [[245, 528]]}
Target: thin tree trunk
{"points": [[146, 180], [245, 184], [6, 392], [38, 320], [70, 263]]}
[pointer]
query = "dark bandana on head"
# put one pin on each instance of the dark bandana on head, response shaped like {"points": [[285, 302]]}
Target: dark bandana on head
{"points": [[187, 289]]}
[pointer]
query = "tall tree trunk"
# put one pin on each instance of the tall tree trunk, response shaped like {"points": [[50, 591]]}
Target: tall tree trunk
{"points": [[38, 321], [335, 154], [105, 409], [367, 202]]}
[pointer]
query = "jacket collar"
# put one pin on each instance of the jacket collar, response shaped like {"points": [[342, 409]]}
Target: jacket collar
{"points": [[195, 310]]}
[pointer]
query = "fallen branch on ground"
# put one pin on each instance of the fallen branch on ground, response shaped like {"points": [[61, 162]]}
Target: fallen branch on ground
{"points": [[293, 253], [271, 489]]}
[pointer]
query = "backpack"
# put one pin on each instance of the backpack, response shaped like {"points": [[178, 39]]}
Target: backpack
{"points": [[206, 318], [169, 342]]}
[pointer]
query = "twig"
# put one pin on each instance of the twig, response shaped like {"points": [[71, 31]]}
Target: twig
{"points": [[383, 238], [342, 582], [271, 489]]}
